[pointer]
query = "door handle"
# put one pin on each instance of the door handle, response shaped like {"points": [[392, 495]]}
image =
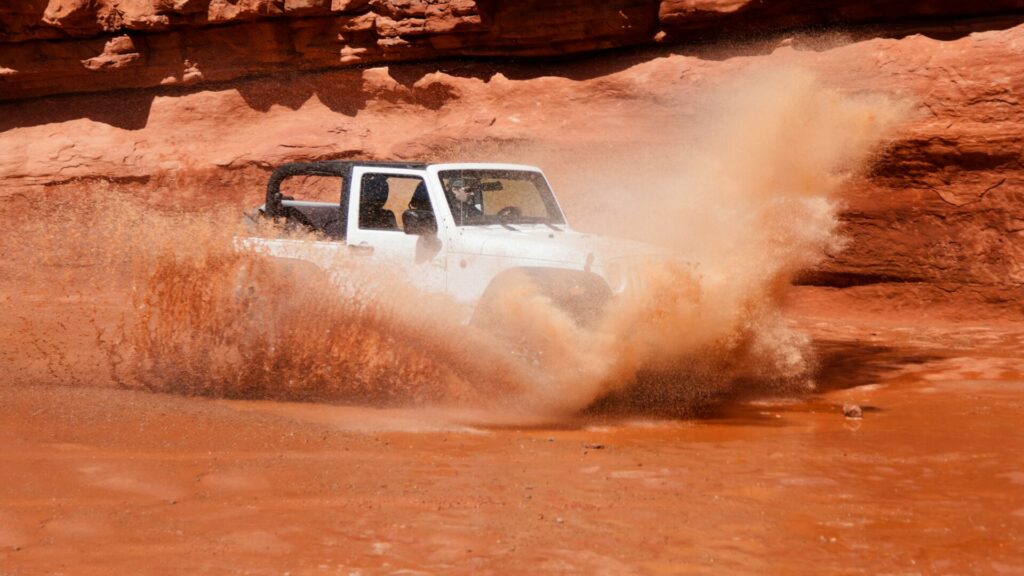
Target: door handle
{"points": [[362, 249]]}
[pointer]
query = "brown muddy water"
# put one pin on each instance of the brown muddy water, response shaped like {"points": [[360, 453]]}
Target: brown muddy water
{"points": [[929, 481]]}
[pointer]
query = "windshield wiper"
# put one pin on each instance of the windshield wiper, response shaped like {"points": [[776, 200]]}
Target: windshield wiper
{"points": [[552, 226]]}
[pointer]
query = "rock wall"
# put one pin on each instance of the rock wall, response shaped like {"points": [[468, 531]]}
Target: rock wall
{"points": [[59, 46], [212, 94]]}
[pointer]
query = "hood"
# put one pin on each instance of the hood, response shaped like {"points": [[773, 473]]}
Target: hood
{"points": [[542, 244]]}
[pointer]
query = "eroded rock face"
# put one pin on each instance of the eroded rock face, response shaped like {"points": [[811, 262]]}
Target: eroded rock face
{"points": [[227, 39], [713, 17], [52, 46]]}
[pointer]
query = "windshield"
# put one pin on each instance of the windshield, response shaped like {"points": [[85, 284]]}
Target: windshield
{"points": [[482, 197]]}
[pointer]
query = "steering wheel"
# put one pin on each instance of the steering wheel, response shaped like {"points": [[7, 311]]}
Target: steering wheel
{"points": [[509, 212]]}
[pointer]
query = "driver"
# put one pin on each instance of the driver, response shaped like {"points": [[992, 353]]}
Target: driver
{"points": [[466, 204]]}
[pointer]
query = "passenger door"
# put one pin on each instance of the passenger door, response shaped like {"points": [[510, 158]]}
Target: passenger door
{"points": [[376, 230]]}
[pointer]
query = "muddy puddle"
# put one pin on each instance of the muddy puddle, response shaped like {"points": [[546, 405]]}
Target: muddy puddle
{"points": [[99, 475], [930, 480]]}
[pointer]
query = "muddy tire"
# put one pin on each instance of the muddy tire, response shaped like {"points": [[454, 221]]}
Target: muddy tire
{"points": [[582, 295]]}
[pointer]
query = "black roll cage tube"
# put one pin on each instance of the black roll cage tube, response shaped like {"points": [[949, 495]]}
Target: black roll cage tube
{"points": [[275, 208]]}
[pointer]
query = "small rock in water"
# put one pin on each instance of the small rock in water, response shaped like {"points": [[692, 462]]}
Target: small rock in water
{"points": [[853, 411]]}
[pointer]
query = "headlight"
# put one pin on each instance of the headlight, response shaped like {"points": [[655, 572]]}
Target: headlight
{"points": [[616, 273], [632, 272]]}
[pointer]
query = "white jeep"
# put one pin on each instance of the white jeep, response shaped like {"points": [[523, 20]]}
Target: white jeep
{"points": [[457, 229]]}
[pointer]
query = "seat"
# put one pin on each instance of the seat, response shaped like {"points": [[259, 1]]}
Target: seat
{"points": [[372, 198], [420, 198]]}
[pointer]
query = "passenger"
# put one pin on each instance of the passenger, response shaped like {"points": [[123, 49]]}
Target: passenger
{"points": [[373, 197], [421, 199], [466, 205]]}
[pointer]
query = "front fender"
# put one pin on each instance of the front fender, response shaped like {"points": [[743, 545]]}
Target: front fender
{"points": [[583, 295]]}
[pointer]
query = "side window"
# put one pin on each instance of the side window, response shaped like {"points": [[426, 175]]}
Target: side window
{"points": [[314, 201], [384, 197], [311, 188]]}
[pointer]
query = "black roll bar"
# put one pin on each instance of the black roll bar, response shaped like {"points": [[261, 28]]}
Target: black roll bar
{"points": [[275, 208]]}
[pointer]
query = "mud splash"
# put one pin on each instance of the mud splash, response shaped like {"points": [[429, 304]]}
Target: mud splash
{"points": [[747, 205], [748, 199], [170, 302]]}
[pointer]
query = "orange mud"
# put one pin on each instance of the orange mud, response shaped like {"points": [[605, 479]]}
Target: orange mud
{"points": [[930, 481]]}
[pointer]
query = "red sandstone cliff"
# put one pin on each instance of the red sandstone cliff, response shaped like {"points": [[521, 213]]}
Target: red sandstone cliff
{"points": [[198, 98], [57, 46]]}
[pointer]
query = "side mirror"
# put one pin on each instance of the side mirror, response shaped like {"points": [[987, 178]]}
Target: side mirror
{"points": [[419, 222]]}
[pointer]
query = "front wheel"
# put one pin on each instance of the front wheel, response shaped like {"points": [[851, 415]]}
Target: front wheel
{"points": [[582, 296]]}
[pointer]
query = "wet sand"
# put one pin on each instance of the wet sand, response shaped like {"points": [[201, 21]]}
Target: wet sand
{"points": [[929, 481]]}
